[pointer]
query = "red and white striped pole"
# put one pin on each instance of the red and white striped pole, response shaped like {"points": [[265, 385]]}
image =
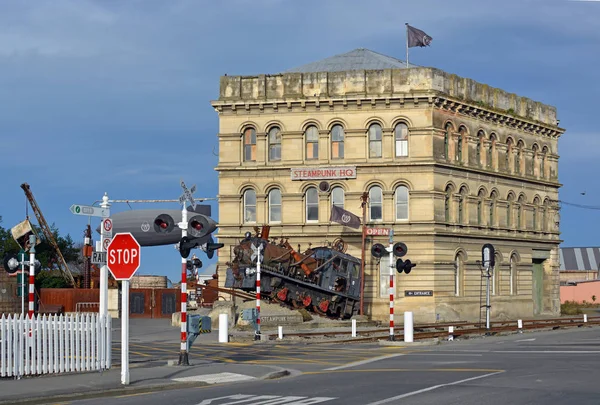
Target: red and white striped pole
{"points": [[392, 288], [31, 276], [258, 256], [183, 353]]}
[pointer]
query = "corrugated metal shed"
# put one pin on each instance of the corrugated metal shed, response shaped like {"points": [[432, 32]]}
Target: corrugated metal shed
{"points": [[358, 59], [579, 258]]}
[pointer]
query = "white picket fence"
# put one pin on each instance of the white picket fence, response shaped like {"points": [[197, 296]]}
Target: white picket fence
{"points": [[54, 344]]}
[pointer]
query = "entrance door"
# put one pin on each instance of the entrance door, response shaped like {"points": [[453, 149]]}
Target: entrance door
{"points": [[538, 286], [166, 302]]}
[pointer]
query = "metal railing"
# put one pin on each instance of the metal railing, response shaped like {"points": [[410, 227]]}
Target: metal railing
{"points": [[87, 307]]}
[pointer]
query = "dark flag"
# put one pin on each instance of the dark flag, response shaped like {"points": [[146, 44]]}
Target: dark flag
{"points": [[346, 218], [416, 37]]}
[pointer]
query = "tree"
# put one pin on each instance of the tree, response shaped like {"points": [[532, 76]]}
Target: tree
{"points": [[7, 243]]}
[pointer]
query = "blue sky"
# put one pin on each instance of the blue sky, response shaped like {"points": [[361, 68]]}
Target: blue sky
{"points": [[115, 96]]}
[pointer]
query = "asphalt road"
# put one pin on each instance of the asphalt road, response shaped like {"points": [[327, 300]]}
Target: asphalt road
{"points": [[556, 367]]}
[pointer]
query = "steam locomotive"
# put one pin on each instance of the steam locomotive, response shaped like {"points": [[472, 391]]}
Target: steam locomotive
{"points": [[324, 280]]}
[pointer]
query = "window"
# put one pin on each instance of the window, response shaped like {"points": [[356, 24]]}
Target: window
{"points": [[447, 201], [462, 206], [536, 207], [401, 203], [249, 206], [534, 161], [337, 142], [462, 133], [496, 287], [312, 204], [275, 205], [545, 209], [458, 269], [375, 204], [509, 210], [543, 162], [493, 198], [375, 141], [512, 274], [384, 279], [401, 137], [480, 138], [447, 138], [312, 142], [274, 144], [491, 152], [520, 208], [509, 155], [519, 163], [480, 198], [337, 197], [250, 145]]}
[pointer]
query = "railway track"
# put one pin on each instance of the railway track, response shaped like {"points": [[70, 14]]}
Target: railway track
{"points": [[440, 330]]}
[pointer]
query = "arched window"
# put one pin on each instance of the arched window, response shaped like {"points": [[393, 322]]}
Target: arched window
{"points": [[312, 204], [249, 145], [447, 140], [459, 144], [493, 198], [401, 203], [520, 208], [337, 197], [462, 206], [545, 212], [536, 208], [275, 205], [274, 144], [534, 161], [480, 197], [311, 136], [491, 152], [512, 277], [375, 204], [458, 271], [447, 203], [520, 164], [496, 290], [509, 210], [337, 142], [479, 149], [249, 206], [509, 155], [401, 137], [543, 162], [375, 141]]}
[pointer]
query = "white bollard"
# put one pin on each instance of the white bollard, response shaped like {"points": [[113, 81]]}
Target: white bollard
{"points": [[408, 327], [280, 332], [520, 324], [354, 328], [584, 317], [223, 325], [450, 333]]}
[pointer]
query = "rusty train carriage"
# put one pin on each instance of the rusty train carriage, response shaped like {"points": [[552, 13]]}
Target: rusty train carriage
{"points": [[324, 280]]}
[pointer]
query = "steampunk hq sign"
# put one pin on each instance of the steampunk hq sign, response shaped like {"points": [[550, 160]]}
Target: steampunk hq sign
{"points": [[323, 173]]}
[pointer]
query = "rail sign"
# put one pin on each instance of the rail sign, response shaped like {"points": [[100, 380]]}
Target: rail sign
{"points": [[90, 211], [378, 231], [99, 257]]}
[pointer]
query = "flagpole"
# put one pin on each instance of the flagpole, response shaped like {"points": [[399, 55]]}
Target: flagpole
{"points": [[406, 45]]}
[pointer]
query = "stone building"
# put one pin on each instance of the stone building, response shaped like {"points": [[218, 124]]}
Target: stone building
{"points": [[448, 163]]}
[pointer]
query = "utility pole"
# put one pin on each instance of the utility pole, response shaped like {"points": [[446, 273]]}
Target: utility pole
{"points": [[364, 197]]}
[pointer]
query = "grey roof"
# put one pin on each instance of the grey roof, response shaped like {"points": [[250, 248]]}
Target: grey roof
{"points": [[358, 59], [579, 258]]}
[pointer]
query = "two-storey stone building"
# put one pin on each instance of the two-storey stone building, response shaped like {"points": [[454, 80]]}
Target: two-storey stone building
{"points": [[448, 163]]}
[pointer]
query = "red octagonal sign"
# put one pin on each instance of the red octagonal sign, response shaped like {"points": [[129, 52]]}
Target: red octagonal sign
{"points": [[123, 256]]}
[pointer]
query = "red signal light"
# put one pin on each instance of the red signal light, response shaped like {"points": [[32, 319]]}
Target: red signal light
{"points": [[162, 224], [196, 225]]}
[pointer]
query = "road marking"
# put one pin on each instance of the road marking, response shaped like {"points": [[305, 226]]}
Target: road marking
{"points": [[525, 340], [215, 378], [411, 370], [410, 394], [266, 400], [361, 362], [550, 351]]}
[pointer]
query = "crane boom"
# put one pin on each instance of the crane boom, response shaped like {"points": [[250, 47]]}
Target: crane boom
{"points": [[62, 264]]}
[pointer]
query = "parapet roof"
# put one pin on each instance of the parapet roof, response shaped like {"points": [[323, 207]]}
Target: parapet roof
{"points": [[358, 59]]}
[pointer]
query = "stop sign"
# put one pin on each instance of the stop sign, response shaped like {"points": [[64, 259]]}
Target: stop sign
{"points": [[123, 256]]}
